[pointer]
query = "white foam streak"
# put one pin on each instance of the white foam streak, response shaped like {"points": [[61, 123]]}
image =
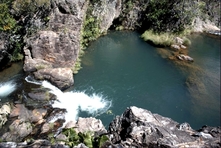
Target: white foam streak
{"points": [[30, 79], [7, 88]]}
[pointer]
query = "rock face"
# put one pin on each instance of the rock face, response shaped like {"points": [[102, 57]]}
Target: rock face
{"points": [[4, 53], [106, 11], [140, 128], [136, 127], [50, 50]]}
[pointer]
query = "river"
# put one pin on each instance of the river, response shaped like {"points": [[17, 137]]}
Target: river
{"points": [[121, 70]]}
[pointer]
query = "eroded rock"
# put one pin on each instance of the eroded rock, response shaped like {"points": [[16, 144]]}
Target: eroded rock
{"points": [[140, 128], [17, 131], [60, 77], [48, 51], [87, 124]]}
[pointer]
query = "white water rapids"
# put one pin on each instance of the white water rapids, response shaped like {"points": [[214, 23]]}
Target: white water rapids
{"points": [[74, 102], [6, 89]]}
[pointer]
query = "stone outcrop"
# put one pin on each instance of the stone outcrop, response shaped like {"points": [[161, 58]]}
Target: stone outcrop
{"points": [[136, 127], [140, 128], [106, 11], [205, 26], [48, 51], [57, 47], [62, 77]]}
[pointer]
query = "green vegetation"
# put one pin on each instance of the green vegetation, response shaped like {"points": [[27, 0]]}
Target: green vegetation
{"points": [[186, 41], [90, 31], [15, 16], [77, 65], [7, 22], [158, 39], [167, 16], [74, 138], [30, 7], [165, 39]]}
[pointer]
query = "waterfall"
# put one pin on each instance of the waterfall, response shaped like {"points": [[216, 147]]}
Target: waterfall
{"points": [[7, 88], [74, 102]]}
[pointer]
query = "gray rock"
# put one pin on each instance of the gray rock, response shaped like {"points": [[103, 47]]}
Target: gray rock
{"points": [[87, 124], [24, 114], [60, 77], [183, 57], [58, 46], [17, 131], [178, 41], [137, 127], [106, 11], [5, 110], [174, 46]]}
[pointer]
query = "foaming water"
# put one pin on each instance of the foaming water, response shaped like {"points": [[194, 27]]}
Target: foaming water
{"points": [[74, 102], [7, 88], [30, 79]]}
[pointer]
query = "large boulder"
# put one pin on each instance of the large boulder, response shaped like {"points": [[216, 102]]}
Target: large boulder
{"points": [[139, 127], [87, 124], [59, 45], [60, 77]]}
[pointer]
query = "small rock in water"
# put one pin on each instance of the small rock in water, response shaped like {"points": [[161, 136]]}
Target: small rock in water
{"points": [[183, 57]]}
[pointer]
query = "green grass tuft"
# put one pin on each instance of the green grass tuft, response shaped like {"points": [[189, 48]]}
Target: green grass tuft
{"points": [[158, 39]]}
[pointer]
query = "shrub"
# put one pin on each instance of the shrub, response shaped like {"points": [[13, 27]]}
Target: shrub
{"points": [[186, 41], [7, 22]]}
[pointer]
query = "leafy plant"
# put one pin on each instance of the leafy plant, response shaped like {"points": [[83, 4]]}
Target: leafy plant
{"points": [[87, 138], [7, 22], [167, 15]]}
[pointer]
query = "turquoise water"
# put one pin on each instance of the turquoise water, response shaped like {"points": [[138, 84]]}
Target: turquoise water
{"points": [[129, 72], [123, 69]]}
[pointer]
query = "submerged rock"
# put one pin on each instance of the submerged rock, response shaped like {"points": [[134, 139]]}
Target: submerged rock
{"points": [[183, 57]]}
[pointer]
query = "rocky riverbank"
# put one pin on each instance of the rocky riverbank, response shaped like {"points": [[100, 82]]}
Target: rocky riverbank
{"points": [[54, 33], [136, 127], [53, 41]]}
